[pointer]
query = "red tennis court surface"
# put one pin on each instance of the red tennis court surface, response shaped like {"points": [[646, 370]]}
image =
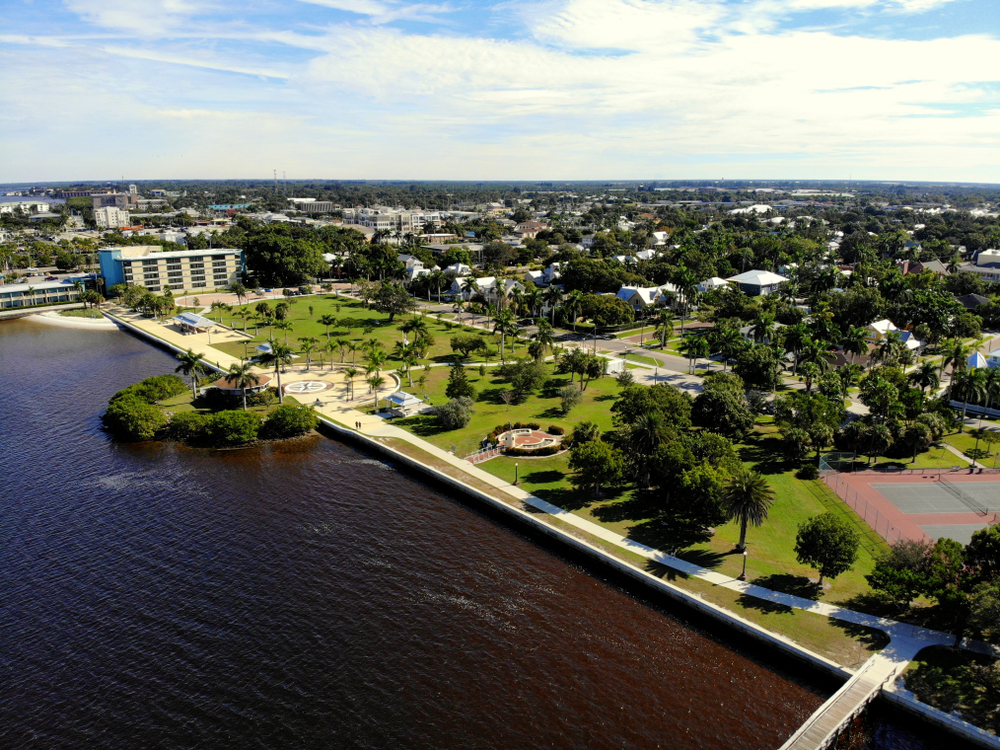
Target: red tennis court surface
{"points": [[914, 506]]}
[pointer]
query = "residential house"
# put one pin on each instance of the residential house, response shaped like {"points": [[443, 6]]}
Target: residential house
{"points": [[757, 283], [709, 285], [972, 301], [880, 329]]}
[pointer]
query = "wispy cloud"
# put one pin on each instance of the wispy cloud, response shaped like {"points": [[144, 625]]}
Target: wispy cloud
{"points": [[571, 88]]}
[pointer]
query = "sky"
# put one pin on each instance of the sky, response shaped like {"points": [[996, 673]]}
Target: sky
{"points": [[507, 90]]}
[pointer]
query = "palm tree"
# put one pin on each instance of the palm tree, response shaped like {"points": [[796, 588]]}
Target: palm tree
{"points": [[574, 305], [762, 329], [817, 352], [331, 346], [793, 338], [664, 326], [191, 365], [308, 347], [925, 376], [241, 374], [695, 347], [239, 290], [553, 296], [504, 323], [376, 358], [533, 298], [409, 362], [748, 497], [728, 341], [352, 347], [375, 382], [855, 342], [544, 335], [280, 355], [349, 374], [283, 325], [954, 353], [970, 385], [328, 320]]}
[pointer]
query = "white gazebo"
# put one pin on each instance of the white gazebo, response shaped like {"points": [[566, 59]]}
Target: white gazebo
{"points": [[402, 404]]}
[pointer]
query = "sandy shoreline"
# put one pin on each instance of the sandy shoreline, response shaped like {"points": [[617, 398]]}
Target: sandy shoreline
{"points": [[63, 321]]}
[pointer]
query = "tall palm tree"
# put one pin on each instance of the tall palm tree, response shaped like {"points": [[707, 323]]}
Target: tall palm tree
{"points": [[792, 338], [239, 290], [817, 352], [376, 358], [505, 323], [533, 298], [283, 325], [694, 347], [855, 342], [574, 305], [279, 356], [748, 497], [192, 366], [349, 374], [544, 335], [308, 347], [762, 329], [925, 376], [970, 385], [954, 353], [328, 320], [241, 374], [375, 382], [553, 296], [664, 322]]}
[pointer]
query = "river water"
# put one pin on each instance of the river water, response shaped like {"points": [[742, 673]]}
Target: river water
{"points": [[306, 595]]}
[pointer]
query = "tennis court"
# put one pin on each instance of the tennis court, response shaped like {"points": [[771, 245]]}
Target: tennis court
{"points": [[920, 504], [936, 496], [943, 505]]}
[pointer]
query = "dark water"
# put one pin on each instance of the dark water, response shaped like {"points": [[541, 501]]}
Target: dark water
{"points": [[304, 595]]}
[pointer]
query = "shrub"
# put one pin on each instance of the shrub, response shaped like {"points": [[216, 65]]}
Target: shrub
{"points": [[131, 418], [187, 426], [455, 414], [459, 385], [556, 430], [808, 471], [265, 397], [548, 450], [153, 389], [289, 420], [230, 428]]}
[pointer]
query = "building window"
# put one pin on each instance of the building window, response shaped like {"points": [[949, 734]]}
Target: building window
{"points": [[199, 285]]}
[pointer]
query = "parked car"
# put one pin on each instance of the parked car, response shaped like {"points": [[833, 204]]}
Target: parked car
{"points": [[51, 278]]}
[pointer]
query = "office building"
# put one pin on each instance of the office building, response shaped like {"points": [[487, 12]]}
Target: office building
{"points": [[148, 266]]}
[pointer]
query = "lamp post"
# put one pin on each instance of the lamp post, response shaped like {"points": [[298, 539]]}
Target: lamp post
{"points": [[743, 576], [515, 474]]}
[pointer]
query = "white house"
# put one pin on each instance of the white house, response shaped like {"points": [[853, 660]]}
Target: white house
{"points": [[535, 277], [711, 284], [993, 359], [458, 269], [880, 329], [757, 283]]}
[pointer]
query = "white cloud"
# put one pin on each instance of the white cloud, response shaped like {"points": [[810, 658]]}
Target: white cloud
{"points": [[142, 17]]}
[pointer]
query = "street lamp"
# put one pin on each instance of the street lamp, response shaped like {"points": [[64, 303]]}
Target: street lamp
{"points": [[515, 474], [743, 576]]}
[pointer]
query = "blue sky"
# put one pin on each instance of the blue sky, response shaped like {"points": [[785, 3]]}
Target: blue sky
{"points": [[469, 89]]}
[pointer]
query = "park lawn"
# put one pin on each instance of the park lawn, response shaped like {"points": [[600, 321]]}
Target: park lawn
{"points": [[82, 312], [643, 359], [183, 403], [306, 325], [771, 561], [490, 411], [965, 441]]}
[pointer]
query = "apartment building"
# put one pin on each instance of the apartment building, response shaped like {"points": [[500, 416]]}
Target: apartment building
{"points": [[111, 217], [148, 266], [394, 219]]}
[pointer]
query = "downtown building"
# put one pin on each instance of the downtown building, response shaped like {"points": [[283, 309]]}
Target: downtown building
{"points": [[393, 220], [182, 270]]}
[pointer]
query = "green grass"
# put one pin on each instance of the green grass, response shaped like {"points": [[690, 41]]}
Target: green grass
{"points": [[491, 411], [183, 403], [643, 359], [82, 312], [965, 442], [304, 324]]}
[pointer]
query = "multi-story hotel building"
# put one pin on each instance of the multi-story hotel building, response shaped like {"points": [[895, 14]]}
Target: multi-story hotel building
{"points": [[394, 219], [148, 266]]}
